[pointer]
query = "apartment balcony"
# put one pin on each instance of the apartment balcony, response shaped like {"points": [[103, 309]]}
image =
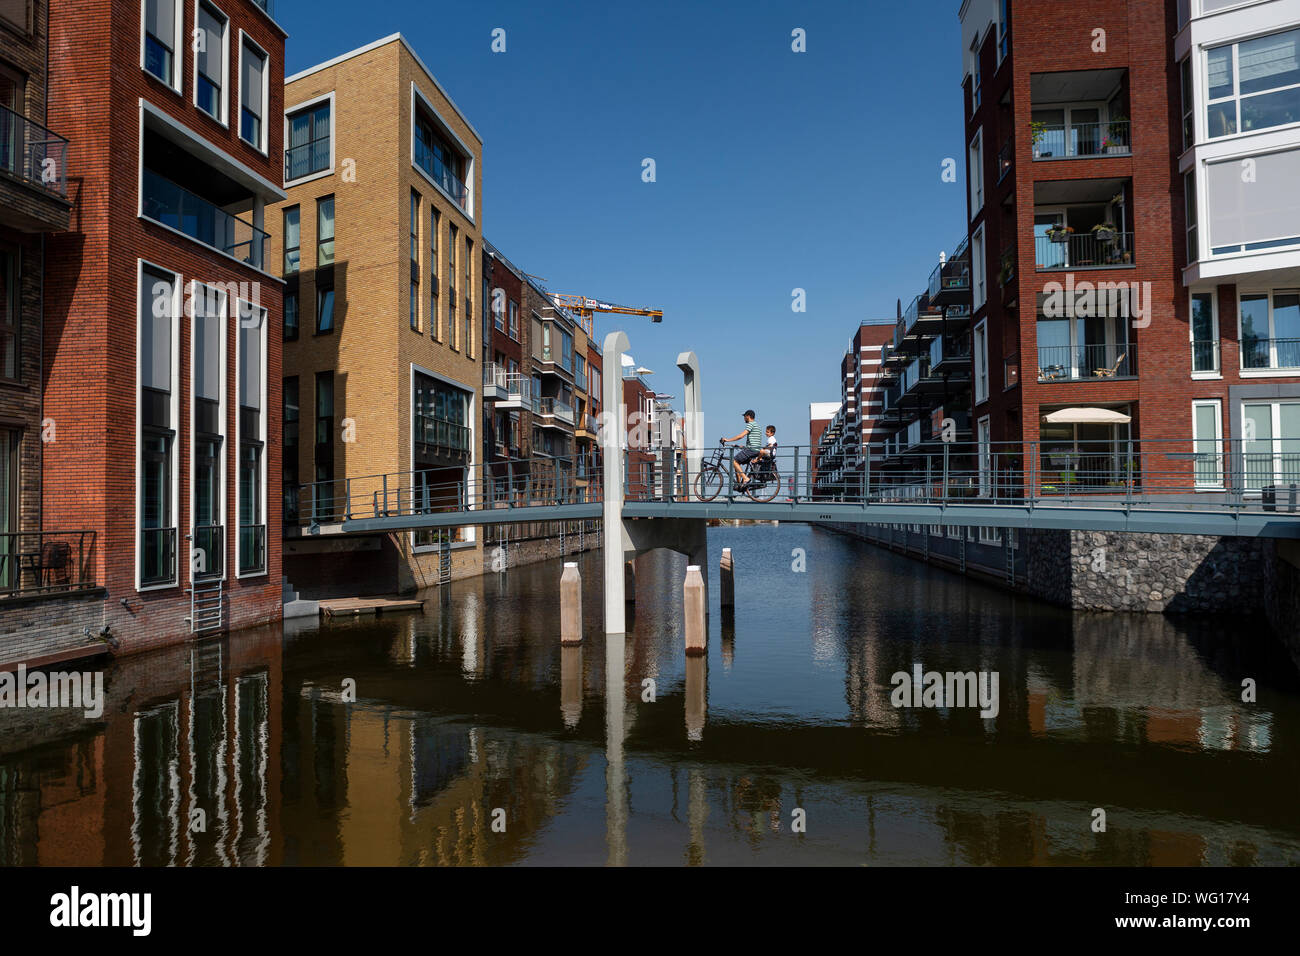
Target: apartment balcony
{"points": [[172, 205], [33, 175], [553, 413], [1259, 353], [950, 355], [440, 174], [1061, 249], [518, 389], [40, 563], [1087, 363], [549, 360], [921, 319], [1079, 114], [584, 427], [950, 281], [494, 382], [440, 437]]}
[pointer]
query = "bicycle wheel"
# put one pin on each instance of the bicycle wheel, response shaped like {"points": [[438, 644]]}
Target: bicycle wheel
{"points": [[766, 489], [708, 483]]}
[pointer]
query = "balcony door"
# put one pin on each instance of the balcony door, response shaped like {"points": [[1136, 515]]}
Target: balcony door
{"points": [[1270, 443]]}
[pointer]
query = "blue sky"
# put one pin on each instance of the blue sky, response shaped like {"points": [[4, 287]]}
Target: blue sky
{"points": [[775, 170]]}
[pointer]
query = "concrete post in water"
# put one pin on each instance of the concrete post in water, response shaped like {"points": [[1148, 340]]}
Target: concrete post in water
{"points": [[694, 601], [616, 344], [727, 583], [571, 604], [571, 684], [696, 697]]}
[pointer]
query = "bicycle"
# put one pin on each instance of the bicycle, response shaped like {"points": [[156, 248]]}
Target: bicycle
{"points": [[763, 485]]}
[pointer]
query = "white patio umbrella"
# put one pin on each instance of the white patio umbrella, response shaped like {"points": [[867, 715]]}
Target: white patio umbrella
{"points": [[1086, 416]]}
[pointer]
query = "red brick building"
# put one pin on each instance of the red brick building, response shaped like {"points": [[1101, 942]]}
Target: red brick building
{"points": [[162, 373]]}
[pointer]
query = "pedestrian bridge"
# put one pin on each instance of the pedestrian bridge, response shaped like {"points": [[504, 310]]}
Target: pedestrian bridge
{"points": [[664, 496]]}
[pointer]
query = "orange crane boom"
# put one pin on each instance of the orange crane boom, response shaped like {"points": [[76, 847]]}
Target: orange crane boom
{"points": [[586, 308]]}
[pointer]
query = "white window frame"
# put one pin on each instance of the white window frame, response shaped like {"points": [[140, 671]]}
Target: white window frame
{"points": [[976, 97], [1217, 405], [1003, 6], [261, 147], [223, 116], [1235, 97], [178, 56], [175, 412], [1217, 371], [979, 269], [194, 284], [1272, 370], [262, 421], [975, 160], [980, 362], [306, 105], [984, 443], [1275, 424]]}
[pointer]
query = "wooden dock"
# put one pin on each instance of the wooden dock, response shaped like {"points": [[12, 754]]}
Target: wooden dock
{"points": [[356, 606]]}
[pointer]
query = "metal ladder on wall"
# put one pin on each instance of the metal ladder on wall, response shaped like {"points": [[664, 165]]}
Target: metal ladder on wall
{"points": [[444, 562], [1011, 555], [206, 601]]}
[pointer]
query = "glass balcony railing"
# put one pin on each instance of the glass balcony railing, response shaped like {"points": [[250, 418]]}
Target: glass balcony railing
{"points": [[443, 434], [32, 153], [440, 174], [553, 407], [172, 205], [1078, 140]]}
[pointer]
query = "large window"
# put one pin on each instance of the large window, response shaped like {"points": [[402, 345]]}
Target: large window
{"points": [[161, 38], [1205, 333], [1270, 329], [981, 357], [309, 149], [438, 158], [976, 175], [435, 223], [10, 481], [1193, 234], [211, 27], [1207, 444], [207, 534], [1270, 443], [10, 316], [252, 94], [252, 440], [324, 450], [1253, 204], [289, 448], [513, 330], [290, 316], [325, 231], [324, 308], [453, 239], [292, 240], [978, 269], [1189, 103], [468, 342], [159, 316], [1253, 85], [415, 260]]}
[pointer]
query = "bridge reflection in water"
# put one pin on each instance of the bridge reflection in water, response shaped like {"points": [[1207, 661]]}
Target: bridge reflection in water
{"points": [[474, 707]]}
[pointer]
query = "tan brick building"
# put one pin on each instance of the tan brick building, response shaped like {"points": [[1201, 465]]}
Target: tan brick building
{"points": [[380, 244]]}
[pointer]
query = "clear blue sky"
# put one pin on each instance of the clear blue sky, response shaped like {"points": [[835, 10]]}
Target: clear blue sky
{"points": [[775, 169]]}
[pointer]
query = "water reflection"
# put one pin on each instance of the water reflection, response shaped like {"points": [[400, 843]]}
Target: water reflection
{"points": [[250, 751]]}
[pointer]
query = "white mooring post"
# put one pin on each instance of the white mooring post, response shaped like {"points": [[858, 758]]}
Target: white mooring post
{"points": [[571, 604], [727, 580], [694, 600], [616, 344]]}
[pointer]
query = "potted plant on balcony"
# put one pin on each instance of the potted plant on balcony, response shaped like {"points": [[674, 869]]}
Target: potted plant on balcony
{"points": [[1059, 233], [1116, 138], [1036, 133], [1105, 232]]}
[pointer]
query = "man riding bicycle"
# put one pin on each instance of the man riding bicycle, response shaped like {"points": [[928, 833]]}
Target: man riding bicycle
{"points": [[753, 443]]}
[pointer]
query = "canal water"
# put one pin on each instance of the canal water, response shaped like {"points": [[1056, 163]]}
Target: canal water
{"points": [[468, 736]]}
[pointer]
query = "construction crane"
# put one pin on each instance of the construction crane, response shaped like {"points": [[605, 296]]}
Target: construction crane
{"points": [[586, 308]]}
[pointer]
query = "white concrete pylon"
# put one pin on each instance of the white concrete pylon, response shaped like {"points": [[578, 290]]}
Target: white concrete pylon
{"points": [[693, 413], [614, 420]]}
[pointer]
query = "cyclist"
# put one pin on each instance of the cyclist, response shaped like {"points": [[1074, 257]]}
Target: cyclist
{"points": [[753, 442]]}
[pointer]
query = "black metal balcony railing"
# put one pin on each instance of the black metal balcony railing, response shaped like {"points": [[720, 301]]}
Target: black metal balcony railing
{"points": [[442, 434], [32, 153], [1270, 353], [306, 159], [38, 562], [252, 548], [208, 548], [440, 174], [1074, 363], [1082, 250], [157, 556], [175, 206], [1205, 355], [1078, 140]]}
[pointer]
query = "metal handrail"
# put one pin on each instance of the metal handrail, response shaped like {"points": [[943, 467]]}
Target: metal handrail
{"points": [[33, 153], [175, 206], [39, 562]]}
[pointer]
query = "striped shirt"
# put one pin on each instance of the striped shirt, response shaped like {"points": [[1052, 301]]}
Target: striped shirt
{"points": [[753, 437]]}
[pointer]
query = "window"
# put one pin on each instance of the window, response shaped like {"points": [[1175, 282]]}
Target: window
{"points": [[1189, 104], [210, 60], [467, 342], [323, 456], [984, 434], [415, 261], [289, 447], [438, 159], [498, 313], [325, 231], [291, 240], [1255, 211], [978, 269], [1207, 443], [1205, 333], [10, 442], [976, 174], [981, 356], [1193, 235], [19, 14], [1270, 443], [309, 144], [161, 38], [513, 330], [11, 324], [1253, 85], [252, 94], [324, 308], [1270, 329], [435, 223], [975, 75], [453, 235], [252, 440], [1004, 31], [290, 316], [207, 546], [159, 315]]}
